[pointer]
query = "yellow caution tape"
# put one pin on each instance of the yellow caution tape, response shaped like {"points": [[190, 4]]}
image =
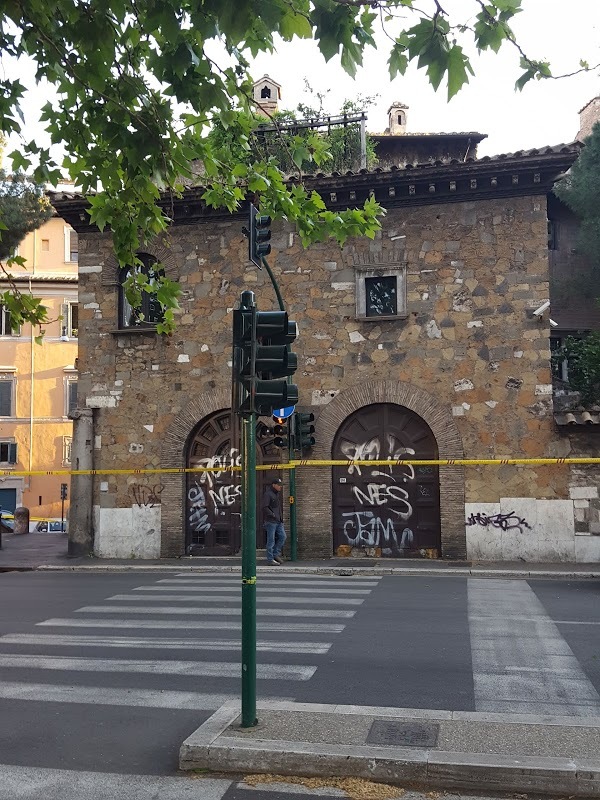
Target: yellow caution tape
{"points": [[432, 462]]}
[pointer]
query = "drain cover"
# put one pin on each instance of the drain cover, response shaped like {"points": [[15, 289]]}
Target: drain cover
{"points": [[403, 734]]}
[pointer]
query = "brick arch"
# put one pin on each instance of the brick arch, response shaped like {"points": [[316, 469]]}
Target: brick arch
{"points": [[440, 420], [173, 454], [159, 248]]}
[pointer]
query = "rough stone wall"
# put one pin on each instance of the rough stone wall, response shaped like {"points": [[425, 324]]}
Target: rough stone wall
{"points": [[473, 271]]}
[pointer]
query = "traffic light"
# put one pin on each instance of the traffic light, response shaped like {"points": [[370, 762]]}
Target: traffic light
{"points": [[281, 434], [262, 360], [304, 430], [258, 236], [274, 361], [63, 491]]}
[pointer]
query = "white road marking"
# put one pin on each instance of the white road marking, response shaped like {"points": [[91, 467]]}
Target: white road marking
{"points": [[548, 621], [270, 582], [260, 589], [223, 669], [221, 612], [34, 783], [192, 624], [57, 640], [303, 578], [225, 598], [523, 664], [110, 696]]}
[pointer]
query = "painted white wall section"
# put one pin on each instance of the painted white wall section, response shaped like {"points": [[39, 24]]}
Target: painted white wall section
{"points": [[127, 532], [529, 530]]}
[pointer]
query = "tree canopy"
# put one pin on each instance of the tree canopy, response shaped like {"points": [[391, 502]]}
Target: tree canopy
{"points": [[580, 190], [141, 82]]}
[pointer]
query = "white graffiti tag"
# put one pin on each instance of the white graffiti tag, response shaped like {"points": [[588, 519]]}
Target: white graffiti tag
{"points": [[365, 528], [197, 512], [226, 496], [220, 464]]}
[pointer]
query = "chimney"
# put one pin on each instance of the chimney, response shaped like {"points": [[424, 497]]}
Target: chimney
{"points": [[588, 116], [397, 118], [266, 94]]}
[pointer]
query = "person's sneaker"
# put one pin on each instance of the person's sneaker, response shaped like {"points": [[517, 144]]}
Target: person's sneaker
{"points": [[273, 563], [278, 559]]}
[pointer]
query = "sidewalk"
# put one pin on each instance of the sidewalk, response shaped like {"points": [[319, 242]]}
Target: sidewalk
{"points": [[415, 747], [48, 551]]}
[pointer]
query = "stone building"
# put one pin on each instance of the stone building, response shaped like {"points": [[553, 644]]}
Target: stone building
{"points": [[422, 342]]}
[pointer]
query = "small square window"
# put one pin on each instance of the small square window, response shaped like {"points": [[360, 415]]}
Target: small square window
{"points": [[381, 299], [380, 292]]}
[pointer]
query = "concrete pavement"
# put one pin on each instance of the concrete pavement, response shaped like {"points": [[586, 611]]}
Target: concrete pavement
{"points": [[419, 747]]}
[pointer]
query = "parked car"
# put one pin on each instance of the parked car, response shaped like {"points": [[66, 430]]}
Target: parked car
{"points": [[46, 525], [7, 521]]}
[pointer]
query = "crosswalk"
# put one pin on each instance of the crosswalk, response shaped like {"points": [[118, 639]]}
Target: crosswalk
{"points": [[173, 643]]}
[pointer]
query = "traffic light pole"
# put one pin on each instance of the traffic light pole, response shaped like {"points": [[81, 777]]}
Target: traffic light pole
{"points": [[249, 571], [291, 452]]}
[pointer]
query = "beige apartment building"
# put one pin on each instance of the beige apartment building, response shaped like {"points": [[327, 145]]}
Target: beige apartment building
{"points": [[38, 382]]}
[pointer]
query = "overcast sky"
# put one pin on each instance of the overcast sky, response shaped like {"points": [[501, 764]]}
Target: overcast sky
{"points": [[545, 112]]}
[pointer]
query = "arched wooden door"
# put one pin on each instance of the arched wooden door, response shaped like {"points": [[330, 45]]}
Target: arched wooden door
{"points": [[212, 500], [386, 511]]}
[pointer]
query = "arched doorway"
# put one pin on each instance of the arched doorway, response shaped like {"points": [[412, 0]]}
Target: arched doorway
{"points": [[213, 499], [386, 511]]}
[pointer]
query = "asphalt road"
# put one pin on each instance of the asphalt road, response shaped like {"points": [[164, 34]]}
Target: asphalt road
{"points": [[103, 676]]}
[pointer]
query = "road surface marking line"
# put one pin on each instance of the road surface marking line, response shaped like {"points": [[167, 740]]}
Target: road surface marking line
{"points": [[219, 598], [223, 669], [176, 624], [221, 612]]}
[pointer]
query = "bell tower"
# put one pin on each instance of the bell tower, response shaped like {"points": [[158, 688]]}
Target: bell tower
{"points": [[397, 118], [266, 94]]}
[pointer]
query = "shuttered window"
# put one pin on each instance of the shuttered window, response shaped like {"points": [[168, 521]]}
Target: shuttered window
{"points": [[8, 453], [6, 398], [71, 396]]}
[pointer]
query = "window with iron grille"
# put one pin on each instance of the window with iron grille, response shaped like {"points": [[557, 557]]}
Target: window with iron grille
{"points": [[8, 453], [380, 292], [149, 312], [7, 386]]}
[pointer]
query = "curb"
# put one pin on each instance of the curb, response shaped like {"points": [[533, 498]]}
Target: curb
{"points": [[208, 748], [474, 572]]}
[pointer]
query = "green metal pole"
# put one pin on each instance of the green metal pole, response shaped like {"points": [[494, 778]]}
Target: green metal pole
{"points": [[249, 571]]}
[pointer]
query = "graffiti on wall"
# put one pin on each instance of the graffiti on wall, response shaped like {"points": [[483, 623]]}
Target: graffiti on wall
{"points": [[145, 496], [208, 495], [503, 522], [385, 505]]}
